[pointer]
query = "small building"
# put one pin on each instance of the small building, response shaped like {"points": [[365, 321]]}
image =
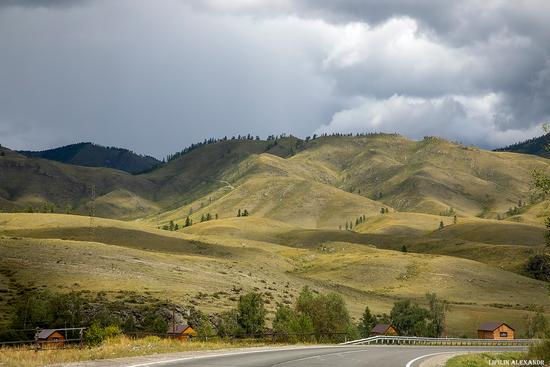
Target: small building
{"points": [[384, 329], [50, 338], [181, 331], [495, 330]]}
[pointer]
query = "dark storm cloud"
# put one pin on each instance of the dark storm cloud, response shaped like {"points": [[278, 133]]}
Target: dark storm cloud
{"points": [[156, 76]]}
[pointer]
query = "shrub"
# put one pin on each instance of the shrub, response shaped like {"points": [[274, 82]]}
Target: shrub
{"points": [[410, 319], [327, 312], [297, 326], [227, 323], [540, 350], [251, 313], [96, 334], [538, 266]]}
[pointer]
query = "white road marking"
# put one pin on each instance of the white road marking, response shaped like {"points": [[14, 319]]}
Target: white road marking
{"points": [[181, 359], [410, 363]]}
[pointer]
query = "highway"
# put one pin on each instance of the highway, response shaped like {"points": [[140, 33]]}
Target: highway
{"points": [[340, 356]]}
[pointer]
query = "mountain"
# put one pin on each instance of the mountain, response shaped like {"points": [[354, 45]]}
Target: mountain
{"points": [[316, 183], [93, 155], [535, 146]]}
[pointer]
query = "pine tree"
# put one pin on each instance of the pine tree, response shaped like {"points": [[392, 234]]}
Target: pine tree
{"points": [[171, 225], [216, 215], [455, 219], [187, 222], [441, 225], [176, 227], [404, 248], [239, 213], [202, 218], [245, 213]]}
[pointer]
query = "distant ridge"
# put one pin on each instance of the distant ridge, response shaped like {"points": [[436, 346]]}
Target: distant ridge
{"points": [[94, 155], [534, 146]]}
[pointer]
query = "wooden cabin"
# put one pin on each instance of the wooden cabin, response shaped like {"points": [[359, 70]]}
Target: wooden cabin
{"points": [[50, 338], [495, 330], [181, 331], [384, 329]]}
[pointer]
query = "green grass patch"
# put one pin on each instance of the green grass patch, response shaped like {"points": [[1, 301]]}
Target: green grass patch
{"points": [[483, 359]]}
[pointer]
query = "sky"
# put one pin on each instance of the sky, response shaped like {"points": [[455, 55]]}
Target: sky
{"points": [[156, 76]]}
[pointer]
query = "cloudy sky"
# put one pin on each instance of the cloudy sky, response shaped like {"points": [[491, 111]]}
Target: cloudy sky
{"points": [[155, 76]]}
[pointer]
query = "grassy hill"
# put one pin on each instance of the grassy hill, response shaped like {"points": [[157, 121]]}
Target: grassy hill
{"points": [[300, 195], [429, 176], [211, 270], [93, 155]]}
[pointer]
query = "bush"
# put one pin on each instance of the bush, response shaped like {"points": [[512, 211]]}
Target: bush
{"points": [[540, 350], [155, 323], [327, 312], [296, 326], [538, 266], [227, 323], [96, 334], [410, 319], [251, 313]]}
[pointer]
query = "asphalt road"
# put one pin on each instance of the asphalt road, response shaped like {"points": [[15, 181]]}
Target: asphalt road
{"points": [[340, 356]]}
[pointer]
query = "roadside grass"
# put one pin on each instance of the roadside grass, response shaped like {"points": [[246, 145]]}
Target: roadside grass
{"points": [[483, 359], [117, 347]]}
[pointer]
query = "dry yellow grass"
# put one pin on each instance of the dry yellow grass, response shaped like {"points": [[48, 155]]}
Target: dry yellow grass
{"points": [[117, 347], [212, 263]]}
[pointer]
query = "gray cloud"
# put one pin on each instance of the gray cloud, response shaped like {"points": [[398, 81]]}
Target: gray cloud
{"points": [[156, 76]]}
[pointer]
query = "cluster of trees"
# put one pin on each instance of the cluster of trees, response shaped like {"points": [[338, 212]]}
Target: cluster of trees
{"points": [[322, 315], [47, 309], [171, 226], [242, 213], [194, 146], [538, 267], [409, 318], [206, 217], [384, 210], [272, 138], [358, 220], [448, 212]]}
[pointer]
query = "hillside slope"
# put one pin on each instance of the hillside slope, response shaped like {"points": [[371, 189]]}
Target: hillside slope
{"points": [[348, 176], [211, 271], [535, 146], [94, 155]]}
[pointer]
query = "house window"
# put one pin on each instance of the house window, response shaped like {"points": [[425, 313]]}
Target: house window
{"points": [[503, 334]]}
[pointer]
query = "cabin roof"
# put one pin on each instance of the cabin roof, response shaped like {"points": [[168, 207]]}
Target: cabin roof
{"points": [[381, 328], [492, 326], [45, 333], [177, 329]]}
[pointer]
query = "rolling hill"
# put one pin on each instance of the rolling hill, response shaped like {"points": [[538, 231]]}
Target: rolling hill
{"points": [[93, 155], [211, 270], [300, 196]]}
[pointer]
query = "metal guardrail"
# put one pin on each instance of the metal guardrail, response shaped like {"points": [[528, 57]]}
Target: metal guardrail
{"points": [[415, 340]]}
